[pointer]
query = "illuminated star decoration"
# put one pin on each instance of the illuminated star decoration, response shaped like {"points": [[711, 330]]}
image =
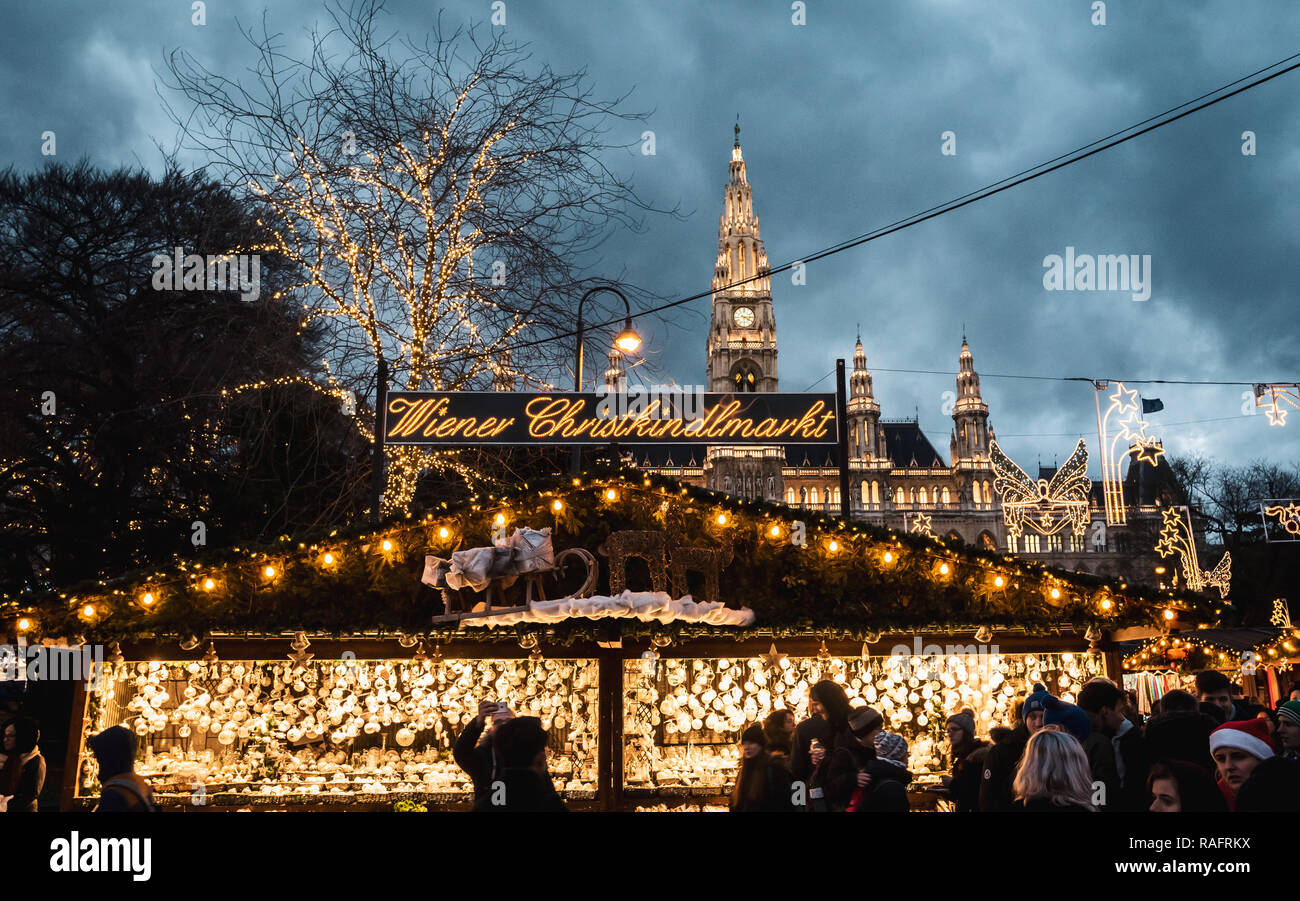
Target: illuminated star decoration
{"points": [[1132, 428], [1287, 391], [921, 525], [772, 659], [1046, 507], [1176, 538], [1288, 516], [1281, 614]]}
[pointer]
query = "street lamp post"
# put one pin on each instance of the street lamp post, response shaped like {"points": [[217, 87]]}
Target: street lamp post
{"points": [[627, 341]]}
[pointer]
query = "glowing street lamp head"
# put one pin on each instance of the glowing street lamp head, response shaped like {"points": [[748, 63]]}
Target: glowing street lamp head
{"points": [[628, 341]]}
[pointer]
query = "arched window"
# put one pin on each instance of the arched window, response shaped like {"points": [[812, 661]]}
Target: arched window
{"points": [[911, 495], [988, 495], [945, 494], [898, 496], [837, 496], [922, 496], [742, 259], [975, 492], [866, 495], [812, 495], [745, 377], [875, 492], [789, 496]]}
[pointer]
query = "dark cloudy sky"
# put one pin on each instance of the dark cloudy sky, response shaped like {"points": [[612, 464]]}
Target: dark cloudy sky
{"points": [[841, 121]]}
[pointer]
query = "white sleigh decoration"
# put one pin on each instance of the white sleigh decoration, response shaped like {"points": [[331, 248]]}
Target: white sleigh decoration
{"points": [[527, 552]]}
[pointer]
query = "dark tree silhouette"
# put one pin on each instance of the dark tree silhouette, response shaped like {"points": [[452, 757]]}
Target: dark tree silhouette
{"points": [[127, 413]]}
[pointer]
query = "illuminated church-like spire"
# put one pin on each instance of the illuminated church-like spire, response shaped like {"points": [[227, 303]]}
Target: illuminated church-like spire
{"points": [[742, 333]]}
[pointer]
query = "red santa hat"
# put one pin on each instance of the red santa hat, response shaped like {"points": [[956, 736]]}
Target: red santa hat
{"points": [[1250, 736]]}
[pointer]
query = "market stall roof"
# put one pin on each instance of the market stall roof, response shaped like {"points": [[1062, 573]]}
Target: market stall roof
{"points": [[798, 570]]}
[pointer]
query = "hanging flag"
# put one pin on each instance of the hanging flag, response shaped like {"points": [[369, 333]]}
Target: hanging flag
{"points": [[1152, 405]]}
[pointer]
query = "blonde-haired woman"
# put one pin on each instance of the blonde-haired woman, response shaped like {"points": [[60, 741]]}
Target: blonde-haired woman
{"points": [[1053, 775]]}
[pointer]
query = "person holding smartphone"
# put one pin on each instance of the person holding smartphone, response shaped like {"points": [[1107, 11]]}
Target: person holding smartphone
{"points": [[475, 750]]}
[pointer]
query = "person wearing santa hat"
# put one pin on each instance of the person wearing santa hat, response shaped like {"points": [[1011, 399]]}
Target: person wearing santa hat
{"points": [[1237, 748]]}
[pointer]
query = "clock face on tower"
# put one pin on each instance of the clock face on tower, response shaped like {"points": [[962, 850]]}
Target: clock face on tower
{"points": [[743, 317]]}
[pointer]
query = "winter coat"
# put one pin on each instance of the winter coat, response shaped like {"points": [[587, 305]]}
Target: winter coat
{"points": [[1044, 805], [479, 763], [126, 793], [1134, 794], [525, 791], [967, 773], [841, 770], [801, 766], [31, 779], [888, 788], [1181, 735], [1000, 769], [777, 792], [1274, 785], [1101, 760], [887, 792]]}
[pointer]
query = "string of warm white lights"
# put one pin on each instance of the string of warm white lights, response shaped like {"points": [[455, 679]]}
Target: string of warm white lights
{"points": [[438, 534], [1270, 651]]}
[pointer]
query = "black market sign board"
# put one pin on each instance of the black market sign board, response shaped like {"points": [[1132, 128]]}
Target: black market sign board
{"points": [[472, 418]]}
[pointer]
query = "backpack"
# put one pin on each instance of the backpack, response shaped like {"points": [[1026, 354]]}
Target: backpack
{"points": [[131, 788]]}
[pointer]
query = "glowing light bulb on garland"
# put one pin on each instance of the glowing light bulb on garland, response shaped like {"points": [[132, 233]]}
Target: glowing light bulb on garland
{"points": [[1055, 593], [387, 545], [443, 532], [889, 558], [999, 581], [328, 559], [557, 505], [943, 568], [775, 531], [834, 545], [148, 599], [24, 624], [611, 495], [500, 519], [269, 572], [88, 610], [209, 584], [722, 519], [1169, 613]]}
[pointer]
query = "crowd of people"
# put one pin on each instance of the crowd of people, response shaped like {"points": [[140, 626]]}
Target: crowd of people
{"points": [[1205, 752], [1208, 752]]}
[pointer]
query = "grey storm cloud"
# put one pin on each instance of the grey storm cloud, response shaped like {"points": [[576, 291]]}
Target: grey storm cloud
{"points": [[841, 124]]}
